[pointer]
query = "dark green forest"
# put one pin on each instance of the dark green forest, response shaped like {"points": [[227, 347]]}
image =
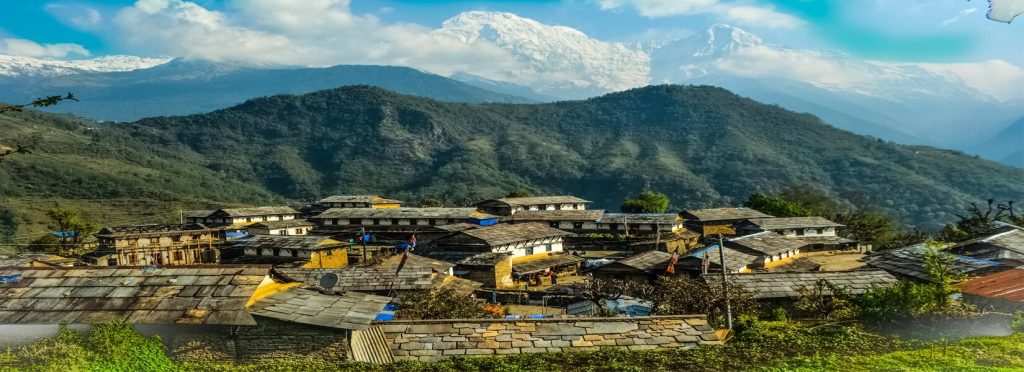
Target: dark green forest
{"points": [[702, 146]]}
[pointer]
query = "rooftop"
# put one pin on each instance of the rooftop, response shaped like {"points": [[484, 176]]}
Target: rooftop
{"points": [[367, 279], [502, 234], [255, 211], [532, 266], [788, 285], [437, 266], [153, 230], [198, 213], [405, 213], [208, 294], [722, 214], [650, 261], [780, 223], [538, 200], [734, 259], [369, 199], [910, 262], [560, 215], [300, 242], [659, 218], [1011, 240], [470, 258], [457, 284], [1007, 285], [768, 243], [283, 224], [351, 310]]}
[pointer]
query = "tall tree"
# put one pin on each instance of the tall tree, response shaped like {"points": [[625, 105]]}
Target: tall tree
{"points": [[70, 227], [646, 202], [977, 221]]}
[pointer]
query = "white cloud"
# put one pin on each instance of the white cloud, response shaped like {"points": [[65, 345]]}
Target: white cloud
{"points": [[738, 12], [76, 15], [997, 78], [285, 32], [29, 48], [959, 15], [807, 66]]}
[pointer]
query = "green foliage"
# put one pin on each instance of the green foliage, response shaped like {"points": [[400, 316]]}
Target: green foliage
{"points": [[977, 221], [1017, 324], [70, 221], [430, 203], [646, 202], [777, 206], [441, 303], [826, 301], [681, 294], [518, 194], [114, 346]]}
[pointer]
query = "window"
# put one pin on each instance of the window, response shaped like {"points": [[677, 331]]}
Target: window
{"points": [[111, 262], [295, 253], [248, 219], [176, 238], [547, 247], [821, 231], [178, 256], [529, 251], [283, 232], [799, 232], [376, 221], [154, 241], [277, 251], [298, 231], [132, 259], [577, 225], [553, 224], [432, 222]]}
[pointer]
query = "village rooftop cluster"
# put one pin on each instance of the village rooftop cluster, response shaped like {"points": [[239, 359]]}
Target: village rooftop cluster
{"points": [[334, 273]]}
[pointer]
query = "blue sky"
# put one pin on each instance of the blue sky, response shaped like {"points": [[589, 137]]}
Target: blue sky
{"points": [[899, 30]]}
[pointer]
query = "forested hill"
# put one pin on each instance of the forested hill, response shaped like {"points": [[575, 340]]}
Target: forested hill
{"points": [[703, 146]]}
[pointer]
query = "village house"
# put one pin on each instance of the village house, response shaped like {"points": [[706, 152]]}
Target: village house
{"points": [[307, 250], [358, 201], [709, 260], [771, 249], [492, 269], [709, 222], [790, 226], [240, 216], [910, 263], [510, 206], [783, 288], [645, 266], [1002, 291], [573, 220], [296, 226], [399, 219], [1004, 244], [186, 244]]}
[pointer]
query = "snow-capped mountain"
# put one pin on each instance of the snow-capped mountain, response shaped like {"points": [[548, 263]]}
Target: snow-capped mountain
{"points": [[15, 66], [554, 60]]}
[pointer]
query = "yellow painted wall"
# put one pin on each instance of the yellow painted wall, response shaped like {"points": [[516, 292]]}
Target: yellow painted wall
{"points": [[328, 259], [391, 205], [532, 257]]}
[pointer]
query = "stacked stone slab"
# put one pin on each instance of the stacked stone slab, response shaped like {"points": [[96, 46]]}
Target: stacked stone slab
{"points": [[428, 340]]}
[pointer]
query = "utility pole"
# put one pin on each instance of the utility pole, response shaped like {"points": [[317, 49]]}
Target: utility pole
{"points": [[725, 285], [362, 238]]}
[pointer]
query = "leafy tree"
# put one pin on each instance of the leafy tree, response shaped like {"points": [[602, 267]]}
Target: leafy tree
{"points": [[646, 202], [430, 203], [518, 194], [942, 275], [827, 301], [977, 222], [685, 295], [41, 102], [73, 227], [597, 291], [777, 206], [442, 303]]}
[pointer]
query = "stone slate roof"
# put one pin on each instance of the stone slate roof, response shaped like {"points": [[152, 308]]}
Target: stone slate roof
{"points": [[456, 227], [470, 258], [300, 242], [649, 261], [541, 264], [351, 310], [1011, 240], [370, 199], [780, 223], [139, 231], [27, 259], [255, 211], [788, 285], [365, 279], [459, 285], [199, 213], [502, 234], [722, 214], [1007, 285], [910, 262], [405, 213], [438, 266], [659, 218], [562, 215], [768, 243], [207, 294], [283, 224], [537, 200], [734, 259]]}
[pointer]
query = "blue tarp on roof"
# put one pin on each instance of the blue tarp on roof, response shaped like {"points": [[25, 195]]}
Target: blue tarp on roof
{"points": [[703, 251], [64, 234]]}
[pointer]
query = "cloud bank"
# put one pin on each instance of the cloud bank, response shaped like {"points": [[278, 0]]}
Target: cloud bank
{"points": [[735, 12], [29, 48]]}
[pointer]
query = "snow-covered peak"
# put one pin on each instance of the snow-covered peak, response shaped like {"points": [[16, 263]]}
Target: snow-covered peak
{"points": [[16, 66], [556, 60], [720, 39]]}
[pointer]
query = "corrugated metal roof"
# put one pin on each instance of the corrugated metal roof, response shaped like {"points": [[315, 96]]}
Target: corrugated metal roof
{"points": [[1007, 285], [371, 346]]}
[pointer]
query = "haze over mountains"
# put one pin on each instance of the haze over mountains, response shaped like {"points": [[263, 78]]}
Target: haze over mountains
{"points": [[703, 146], [912, 103]]}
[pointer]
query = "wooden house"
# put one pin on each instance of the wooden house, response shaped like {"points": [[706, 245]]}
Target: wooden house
{"points": [[509, 206], [186, 244], [399, 219], [296, 226], [311, 251], [241, 216], [358, 201], [710, 222]]}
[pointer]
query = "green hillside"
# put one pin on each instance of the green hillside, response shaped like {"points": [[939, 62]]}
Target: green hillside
{"points": [[702, 146]]}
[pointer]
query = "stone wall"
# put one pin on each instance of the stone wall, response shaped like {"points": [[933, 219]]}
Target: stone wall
{"points": [[265, 342], [435, 339]]}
